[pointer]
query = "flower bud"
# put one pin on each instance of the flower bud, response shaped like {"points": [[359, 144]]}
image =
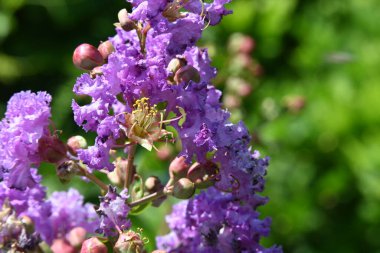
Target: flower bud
{"points": [[28, 224], [106, 48], [164, 152], [153, 184], [183, 189], [93, 245], [51, 149], [76, 142], [62, 246], [175, 64], [187, 73], [87, 57], [125, 22], [178, 167], [203, 175], [76, 237], [129, 242], [66, 170]]}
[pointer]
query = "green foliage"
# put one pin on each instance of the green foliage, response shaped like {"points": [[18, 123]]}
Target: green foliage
{"points": [[324, 176]]}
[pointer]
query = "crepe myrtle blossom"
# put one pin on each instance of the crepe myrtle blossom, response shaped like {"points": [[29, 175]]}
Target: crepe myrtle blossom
{"points": [[148, 83]]}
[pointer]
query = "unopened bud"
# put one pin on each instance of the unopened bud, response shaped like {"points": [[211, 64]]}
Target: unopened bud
{"points": [[153, 184], [51, 149], [87, 57], [125, 22], [76, 236], [28, 224], [178, 167], [62, 246], [93, 245], [76, 142], [164, 152], [67, 170], [187, 73], [106, 48], [183, 189], [175, 64], [203, 175], [129, 242]]}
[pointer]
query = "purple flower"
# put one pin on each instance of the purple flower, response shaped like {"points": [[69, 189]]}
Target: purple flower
{"points": [[26, 121], [113, 212], [215, 222]]}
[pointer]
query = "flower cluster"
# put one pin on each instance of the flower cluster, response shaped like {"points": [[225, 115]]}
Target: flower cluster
{"points": [[150, 75], [26, 122], [215, 222]]}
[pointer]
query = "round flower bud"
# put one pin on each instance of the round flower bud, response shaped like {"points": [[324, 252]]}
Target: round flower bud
{"points": [[87, 57], [175, 64], [76, 142], [76, 236], [129, 242], [51, 149], [187, 73], [178, 167], [62, 246], [28, 224], [202, 175], [153, 184], [183, 189], [66, 170], [93, 245], [106, 48], [125, 22], [164, 152]]}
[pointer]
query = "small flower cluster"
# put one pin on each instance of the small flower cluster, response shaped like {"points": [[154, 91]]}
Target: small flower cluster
{"points": [[150, 75]]}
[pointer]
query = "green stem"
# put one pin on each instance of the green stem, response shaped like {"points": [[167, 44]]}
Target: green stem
{"points": [[129, 169], [148, 198], [92, 178]]}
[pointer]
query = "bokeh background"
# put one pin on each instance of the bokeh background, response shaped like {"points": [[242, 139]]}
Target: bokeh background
{"points": [[313, 104]]}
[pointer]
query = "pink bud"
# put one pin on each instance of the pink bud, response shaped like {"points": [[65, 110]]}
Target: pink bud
{"points": [[106, 48], [62, 246], [158, 251], [164, 152], [76, 142], [93, 245], [87, 57], [51, 149], [76, 236], [178, 167]]}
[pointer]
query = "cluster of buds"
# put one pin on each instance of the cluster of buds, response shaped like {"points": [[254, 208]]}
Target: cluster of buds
{"points": [[127, 242], [185, 179], [87, 57], [72, 243]]}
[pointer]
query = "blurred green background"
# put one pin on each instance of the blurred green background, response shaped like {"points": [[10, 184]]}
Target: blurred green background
{"points": [[315, 105]]}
